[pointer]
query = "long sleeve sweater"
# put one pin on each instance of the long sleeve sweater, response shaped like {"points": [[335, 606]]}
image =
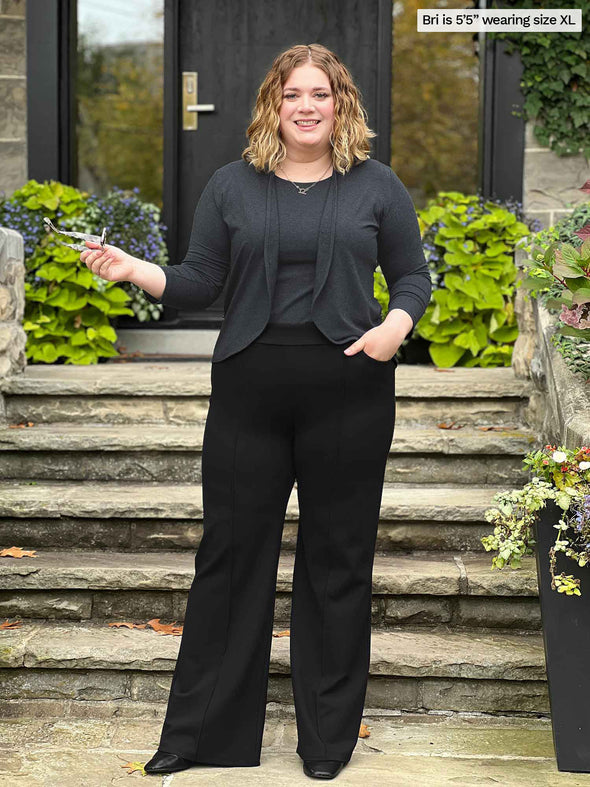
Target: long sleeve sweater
{"points": [[368, 220]]}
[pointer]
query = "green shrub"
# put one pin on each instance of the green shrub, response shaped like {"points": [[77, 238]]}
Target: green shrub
{"points": [[469, 243], [68, 308]]}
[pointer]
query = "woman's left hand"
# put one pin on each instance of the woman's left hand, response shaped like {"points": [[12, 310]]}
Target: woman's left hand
{"points": [[380, 343]]}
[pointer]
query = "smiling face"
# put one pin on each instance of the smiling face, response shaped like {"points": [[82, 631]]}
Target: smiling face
{"points": [[307, 95]]}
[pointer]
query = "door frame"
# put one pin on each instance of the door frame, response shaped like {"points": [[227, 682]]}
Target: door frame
{"points": [[51, 30], [52, 34]]}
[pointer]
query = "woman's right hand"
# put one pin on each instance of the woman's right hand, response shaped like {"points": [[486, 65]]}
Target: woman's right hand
{"points": [[110, 262]]}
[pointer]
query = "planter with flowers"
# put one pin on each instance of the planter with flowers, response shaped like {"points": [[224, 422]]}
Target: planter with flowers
{"points": [[552, 514]]}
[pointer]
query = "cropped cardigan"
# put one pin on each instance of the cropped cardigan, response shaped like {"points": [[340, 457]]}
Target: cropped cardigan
{"points": [[368, 220]]}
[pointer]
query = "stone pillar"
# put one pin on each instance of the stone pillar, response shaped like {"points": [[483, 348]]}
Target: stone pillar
{"points": [[550, 182], [13, 96], [526, 341], [12, 303]]}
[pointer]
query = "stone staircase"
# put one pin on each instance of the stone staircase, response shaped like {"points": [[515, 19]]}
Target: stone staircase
{"points": [[105, 486]]}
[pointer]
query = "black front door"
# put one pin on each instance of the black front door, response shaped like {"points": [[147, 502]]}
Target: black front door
{"points": [[224, 51]]}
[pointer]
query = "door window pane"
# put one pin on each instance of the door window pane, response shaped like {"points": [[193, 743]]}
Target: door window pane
{"points": [[435, 104], [120, 96]]}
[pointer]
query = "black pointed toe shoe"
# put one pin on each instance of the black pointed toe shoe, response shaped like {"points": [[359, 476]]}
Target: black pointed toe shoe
{"points": [[163, 762], [322, 769]]}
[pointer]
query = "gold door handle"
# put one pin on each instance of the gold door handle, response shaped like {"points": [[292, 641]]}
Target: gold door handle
{"points": [[190, 109]]}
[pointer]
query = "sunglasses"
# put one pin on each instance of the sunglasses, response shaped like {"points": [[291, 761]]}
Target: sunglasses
{"points": [[82, 235]]}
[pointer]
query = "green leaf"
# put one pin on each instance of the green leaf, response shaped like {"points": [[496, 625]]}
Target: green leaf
{"points": [[497, 319], [468, 341], [98, 300], [78, 338], [445, 355], [553, 303], [581, 295], [107, 332], [116, 295], [82, 277], [458, 300], [454, 281], [506, 334], [568, 330], [496, 248], [53, 272], [48, 352], [67, 299]]}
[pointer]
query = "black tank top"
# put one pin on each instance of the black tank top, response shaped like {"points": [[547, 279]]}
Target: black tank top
{"points": [[299, 222]]}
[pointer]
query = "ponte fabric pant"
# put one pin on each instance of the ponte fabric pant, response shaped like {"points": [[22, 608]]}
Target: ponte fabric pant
{"points": [[278, 414]]}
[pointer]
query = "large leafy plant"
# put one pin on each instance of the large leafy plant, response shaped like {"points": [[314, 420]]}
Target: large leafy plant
{"points": [[68, 309], [469, 242]]}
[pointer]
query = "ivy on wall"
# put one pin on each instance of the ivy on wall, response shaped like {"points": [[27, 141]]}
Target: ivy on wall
{"points": [[556, 78]]}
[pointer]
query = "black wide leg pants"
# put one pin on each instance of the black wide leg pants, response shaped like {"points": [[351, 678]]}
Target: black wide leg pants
{"points": [[280, 412]]}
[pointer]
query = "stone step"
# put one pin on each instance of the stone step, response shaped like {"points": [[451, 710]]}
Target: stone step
{"points": [[178, 393], [510, 412], [173, 410], [135, 452], [421, 670], [148, 516], [425, 588], [62, 744]]}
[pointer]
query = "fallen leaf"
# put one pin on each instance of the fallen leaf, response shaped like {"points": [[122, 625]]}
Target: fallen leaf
{"points": [[285, 633], [494, 428], [17, 552], [135, 766], [452, 425], [154, 623], [14, 625], [165, 628], [364, 731]]}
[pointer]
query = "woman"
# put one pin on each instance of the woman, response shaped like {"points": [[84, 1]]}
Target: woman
{"points": [[302, 388]]}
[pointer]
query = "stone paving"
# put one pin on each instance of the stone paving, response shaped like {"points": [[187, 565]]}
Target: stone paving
{"points": [[462, 750]]}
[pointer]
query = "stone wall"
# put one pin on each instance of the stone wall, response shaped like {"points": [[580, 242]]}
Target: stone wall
{"points": [[13, 96], [560, 406], [550, 181], [12, 303], [563, 410]]}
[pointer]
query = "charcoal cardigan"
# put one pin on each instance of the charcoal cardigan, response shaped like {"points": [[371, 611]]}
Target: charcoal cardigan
{"points": [[368, 220]]}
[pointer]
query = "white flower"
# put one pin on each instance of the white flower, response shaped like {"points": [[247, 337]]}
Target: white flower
{"points": [[559, 457], [584, 465]]}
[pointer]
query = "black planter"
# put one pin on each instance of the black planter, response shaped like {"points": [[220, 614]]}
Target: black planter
{"points": [[566, 636]]}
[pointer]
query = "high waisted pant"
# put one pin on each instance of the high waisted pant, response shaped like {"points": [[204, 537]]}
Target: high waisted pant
{"points": [[279, 413]]}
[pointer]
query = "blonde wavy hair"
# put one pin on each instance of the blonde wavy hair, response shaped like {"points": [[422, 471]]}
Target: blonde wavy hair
{"points": [[350, 134]]}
